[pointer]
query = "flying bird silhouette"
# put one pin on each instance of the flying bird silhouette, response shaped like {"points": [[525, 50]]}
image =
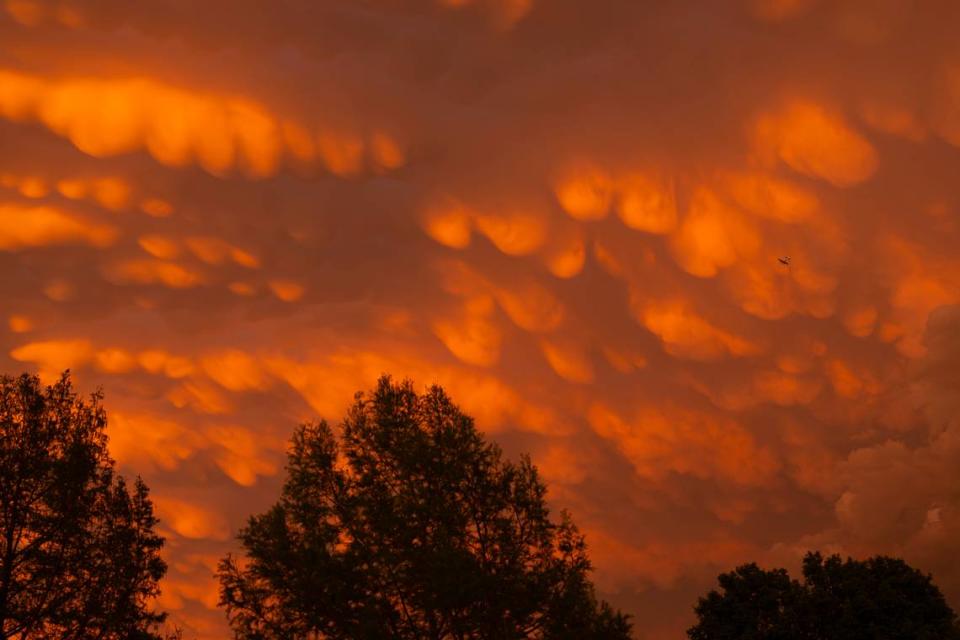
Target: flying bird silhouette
{"points": [[784, 260]]}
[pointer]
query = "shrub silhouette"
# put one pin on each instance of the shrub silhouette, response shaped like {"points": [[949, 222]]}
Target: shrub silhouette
{"points": [[408, 524]]}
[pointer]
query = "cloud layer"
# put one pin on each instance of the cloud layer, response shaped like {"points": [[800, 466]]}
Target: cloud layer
{"points": [[232, 219]]}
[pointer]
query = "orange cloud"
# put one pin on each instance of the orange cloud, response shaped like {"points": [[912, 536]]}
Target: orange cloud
{"points": [[59, 290], [386, 152], [31, 13], [657, 562], [147, 271], [136, 439], [242, 288], [472, 335], [156, 207], [234, 370], [646, 203], [920, 283], [27, 12], [861, 321], [449, 223], [894, 120], [190, 520], [568, 360], [19, 323], [586, 194], [530, 305], [514, 234], [814, 141], [159, 246], [201, 397], [287, 290], [32, 187], [38, 226], [203, 589], [52, 357], [232, 232], [624, 361], [113, 193], [686, 334], [562, 465], [713, 235], [243, 455], [845, 381], [208, 249], [105, 117], [159, 361], [566, 255], [342, 154], [771, 197], [785, 389], [659, 442], [115, 360]]}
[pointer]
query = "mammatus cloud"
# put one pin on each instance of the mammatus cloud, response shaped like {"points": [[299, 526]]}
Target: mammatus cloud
{"points": [[569, 217], [107, 117], [899, 495]]}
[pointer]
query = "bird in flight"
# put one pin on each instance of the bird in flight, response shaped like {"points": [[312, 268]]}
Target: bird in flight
{"points": [[784, 260]]}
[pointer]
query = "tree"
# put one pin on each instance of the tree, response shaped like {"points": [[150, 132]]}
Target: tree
{"points": [[754, 605], [408, 524], [78, 554], [876, 599], [880, 597]]}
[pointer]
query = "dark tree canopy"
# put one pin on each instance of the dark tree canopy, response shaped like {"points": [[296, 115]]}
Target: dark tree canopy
{"points": [[78, 554], [752, 604], [876, 599], [408, 524]]}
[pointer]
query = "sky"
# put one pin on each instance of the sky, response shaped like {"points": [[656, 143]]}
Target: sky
{"points": [[233, 215]]}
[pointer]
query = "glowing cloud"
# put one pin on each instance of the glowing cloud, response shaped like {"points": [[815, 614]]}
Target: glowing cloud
{"points": [[158, 246], [146, 271], [568, 361], [569, 219], [659, 443], [38, 226], [687, 335], [513, 234], [19, 323], [143, 438], [106, 117], [449, 224], [567, 255], [234, 370], [287, 290], [816, 142], [647, 204], [191, 520], [530, 306], [472, 336], [771, 197], [586, 195], [54, 356], [712, 236]]}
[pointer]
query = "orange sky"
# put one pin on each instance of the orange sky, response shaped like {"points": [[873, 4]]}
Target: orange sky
{"points": [[569, 214]]}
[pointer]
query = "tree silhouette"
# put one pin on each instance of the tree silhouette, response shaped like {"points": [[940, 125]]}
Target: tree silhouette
{"points": [[754, 605], [78, 555], [410, 525], [876, 599]]}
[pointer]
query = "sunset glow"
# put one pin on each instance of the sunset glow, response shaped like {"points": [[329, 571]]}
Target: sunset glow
{"points": [[567, 214]]}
